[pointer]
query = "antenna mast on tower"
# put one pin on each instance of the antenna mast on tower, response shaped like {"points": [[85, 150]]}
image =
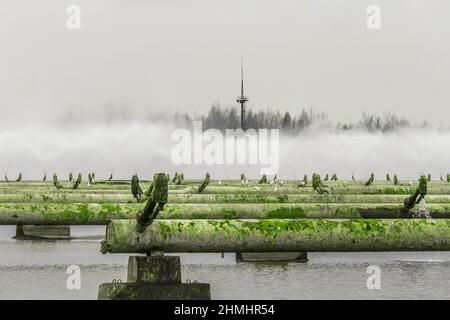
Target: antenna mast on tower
{"points": [[242, 99]]}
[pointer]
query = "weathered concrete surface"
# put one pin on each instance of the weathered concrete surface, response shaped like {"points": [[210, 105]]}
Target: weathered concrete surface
{"points": [[42, 232], [213, 198], [146, 291], [296, 198], [277, 190], [66, 198], [67, 185], [154, 269], [154, 278], [65, 214], [94, 214], [293, 210], [279, 235], [46, 190], [224, 183]]}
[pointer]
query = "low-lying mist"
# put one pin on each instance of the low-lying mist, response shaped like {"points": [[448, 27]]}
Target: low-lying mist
{"points": [[124, 148]]}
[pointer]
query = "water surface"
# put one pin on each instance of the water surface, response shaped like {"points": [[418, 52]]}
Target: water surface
{"points": [[37, 270]]}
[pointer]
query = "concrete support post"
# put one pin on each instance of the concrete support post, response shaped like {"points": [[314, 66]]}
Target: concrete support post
{"points": [[154, 278], [24, 232], [154, 269]]}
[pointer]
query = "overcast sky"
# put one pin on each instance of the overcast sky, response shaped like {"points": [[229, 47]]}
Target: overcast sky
{"points": [[185, 55]]}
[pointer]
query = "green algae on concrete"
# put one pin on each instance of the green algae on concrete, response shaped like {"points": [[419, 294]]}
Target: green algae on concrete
{"points": [[225, 185], [317, 183], [419, 194], [57, 214], [56, 182], [370, 181], [124, 184], [66, 198], [290, 210], [204, 184], [136, 189], [265, 190], [279, 235], [295, 198], [77, 182], [93, 213]]}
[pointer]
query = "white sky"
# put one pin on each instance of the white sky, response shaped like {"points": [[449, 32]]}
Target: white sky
{"points": [[185, 55]]}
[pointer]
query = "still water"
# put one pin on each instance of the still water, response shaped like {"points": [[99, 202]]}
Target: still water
{"points": [[37, 270]]}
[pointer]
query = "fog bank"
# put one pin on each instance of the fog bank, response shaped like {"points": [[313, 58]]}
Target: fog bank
{"points": [[125, 148]]}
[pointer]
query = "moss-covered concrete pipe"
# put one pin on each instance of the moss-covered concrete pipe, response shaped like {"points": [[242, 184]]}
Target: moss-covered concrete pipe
{"points": [[62, 191], [125, 184], [294, 210], [233, 190], [276, 190], [66, 184], [93, 214], [213, 198], [278, 235], [65, 214], [296, 198]]}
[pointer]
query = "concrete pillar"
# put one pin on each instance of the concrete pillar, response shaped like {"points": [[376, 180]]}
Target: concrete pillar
{"points": [[154, 269], [154, 278], [42, 232]]}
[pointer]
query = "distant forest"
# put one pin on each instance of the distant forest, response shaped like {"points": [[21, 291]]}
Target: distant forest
{"points": [[229, 118], [219, 117]]}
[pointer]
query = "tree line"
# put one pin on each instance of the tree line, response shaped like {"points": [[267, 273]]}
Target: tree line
{"points": [[229, 118]]}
